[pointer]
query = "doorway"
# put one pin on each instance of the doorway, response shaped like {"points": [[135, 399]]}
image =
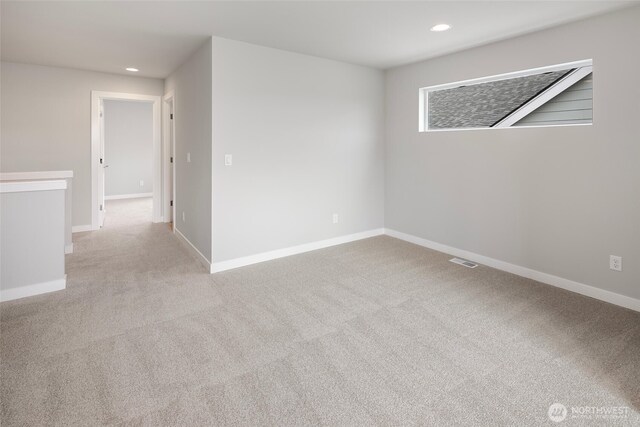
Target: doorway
{"points": [[125, 182]]}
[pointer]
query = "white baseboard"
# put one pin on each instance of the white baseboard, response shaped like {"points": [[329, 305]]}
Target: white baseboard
{"points": [[81, 228], [35, 289], [205, 262], [549, 279], [68, 249], [293, 250], [128, 196]]}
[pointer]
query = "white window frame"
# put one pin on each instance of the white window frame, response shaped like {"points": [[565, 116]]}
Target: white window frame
{"points": [[423, 94]]}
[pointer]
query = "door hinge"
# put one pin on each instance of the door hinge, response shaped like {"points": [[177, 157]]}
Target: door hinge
{"points": [[171, 161], [100, 207], [172, 203], [171, 116], [100, 161]]}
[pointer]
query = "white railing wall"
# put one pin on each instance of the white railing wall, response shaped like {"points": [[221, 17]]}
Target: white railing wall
{"points": [[32, 243], [51, 175]]}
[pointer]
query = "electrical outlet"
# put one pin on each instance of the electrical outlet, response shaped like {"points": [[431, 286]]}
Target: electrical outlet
{"points": [[184, 216], [141, 183], [228, 160], [615, 263], [335, 218]]}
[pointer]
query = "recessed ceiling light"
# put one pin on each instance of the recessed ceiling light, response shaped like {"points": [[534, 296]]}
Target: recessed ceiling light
{"points": [[441, 27], [135, 70]]}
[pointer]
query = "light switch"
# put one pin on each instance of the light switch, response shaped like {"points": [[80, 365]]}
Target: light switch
{"points": [[228, 159], [188, 157]]}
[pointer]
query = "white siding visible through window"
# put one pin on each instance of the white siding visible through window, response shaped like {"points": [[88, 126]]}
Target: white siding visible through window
{"points": [[573, 106]]}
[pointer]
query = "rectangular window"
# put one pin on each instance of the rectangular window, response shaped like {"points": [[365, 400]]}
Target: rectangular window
{"points": [[548, 96]]}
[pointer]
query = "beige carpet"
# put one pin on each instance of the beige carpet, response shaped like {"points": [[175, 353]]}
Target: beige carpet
{"points": [[127, 212], [376, 332]]}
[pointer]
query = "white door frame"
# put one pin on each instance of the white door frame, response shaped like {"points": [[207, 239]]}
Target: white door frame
{"points": [[96, 135], [169, 143]]}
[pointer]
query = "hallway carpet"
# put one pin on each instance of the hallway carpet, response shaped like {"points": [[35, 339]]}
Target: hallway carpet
{"points": [[375, 332]]}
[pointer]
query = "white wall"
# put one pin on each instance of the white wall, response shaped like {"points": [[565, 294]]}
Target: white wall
{"points": [[306, 135], [128, 144], [45, 121], [192, 115], [557, 200]]}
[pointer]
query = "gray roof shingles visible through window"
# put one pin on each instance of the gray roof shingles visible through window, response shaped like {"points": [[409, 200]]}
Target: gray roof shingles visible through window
{"points": [[482, 105]]}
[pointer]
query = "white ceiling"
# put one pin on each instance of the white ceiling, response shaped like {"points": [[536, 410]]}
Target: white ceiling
{"points": [[157, 37]]}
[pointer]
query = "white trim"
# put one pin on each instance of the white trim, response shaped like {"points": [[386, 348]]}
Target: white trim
{"points": [[205, 262], [82, 228], [169, 150], [35, 289], [26, 176], [293, 250], [22, 186], [96, 99], [68, 249], [128, 196], [565, 83], [423, 110], [512, 127], [549, 279]]}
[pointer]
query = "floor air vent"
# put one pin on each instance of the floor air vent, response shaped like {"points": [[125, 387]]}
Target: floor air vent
{"points": [[464, 262]]}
